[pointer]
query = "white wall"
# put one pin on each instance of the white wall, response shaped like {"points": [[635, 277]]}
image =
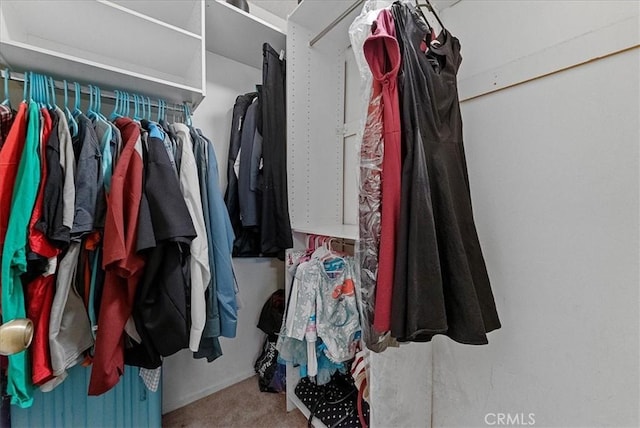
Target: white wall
{"points": [[554, 171], [553, 166], [185, 379]]}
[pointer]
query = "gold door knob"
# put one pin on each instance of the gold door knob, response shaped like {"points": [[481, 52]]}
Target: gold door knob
{"points": [[15, 336]]}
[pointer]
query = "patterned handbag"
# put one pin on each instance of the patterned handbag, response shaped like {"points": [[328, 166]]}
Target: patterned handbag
{"points": [[335, 404]]}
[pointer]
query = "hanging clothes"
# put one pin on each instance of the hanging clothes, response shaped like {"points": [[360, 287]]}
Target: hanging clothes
{"points": [[199, 263], [222, 308], [231, 196], [275, 223], [14, 262], [161, 314], [383, 56], [370, 183], [59, 192], [441, 284], [209, 344], [6, 120], [9, 161], [244, 190], [321, 323], [88, 176], [123, 265], [223, 238], [69, 327], [120, 237], [38, 280], [250, 194]]}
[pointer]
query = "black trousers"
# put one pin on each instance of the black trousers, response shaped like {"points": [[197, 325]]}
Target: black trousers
{"points": [[276, 227]]}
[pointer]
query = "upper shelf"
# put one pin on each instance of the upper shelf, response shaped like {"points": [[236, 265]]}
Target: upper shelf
{"points": [[238, 35], [120, 48], [181, 14]]}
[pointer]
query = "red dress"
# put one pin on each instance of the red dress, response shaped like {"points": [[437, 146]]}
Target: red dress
{"points": [[383, 56], [123, 266]]}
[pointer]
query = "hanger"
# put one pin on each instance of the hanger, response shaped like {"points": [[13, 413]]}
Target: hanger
{"points": [[73, 125], [76, 106], [159, 109], [135, 106], [187, 114], [48, 92], [90, 112], [144, 108], [52, 84], [116, 104], [26, 85], [33, 88], [430, 8], [6, 75], [99, 102], [42, 90], [126, 106]]}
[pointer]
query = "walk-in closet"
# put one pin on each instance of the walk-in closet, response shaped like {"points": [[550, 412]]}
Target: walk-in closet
{"points": [[328, 213]]}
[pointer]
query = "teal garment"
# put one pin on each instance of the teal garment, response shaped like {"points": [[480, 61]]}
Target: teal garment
{"points": [[222, 238], [105, 135], [209, 343], [14, 261]]}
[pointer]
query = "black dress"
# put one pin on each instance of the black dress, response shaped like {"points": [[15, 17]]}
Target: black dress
{"points": [[441, 284]]}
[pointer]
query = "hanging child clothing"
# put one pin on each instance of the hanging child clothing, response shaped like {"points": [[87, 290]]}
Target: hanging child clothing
{"points": [[321, 324]]}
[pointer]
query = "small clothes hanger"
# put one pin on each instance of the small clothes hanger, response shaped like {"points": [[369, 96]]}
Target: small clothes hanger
{"points": [[76, 107], [26, 86], [54, 101], [71, 121], [6, 75], [434, 32]]}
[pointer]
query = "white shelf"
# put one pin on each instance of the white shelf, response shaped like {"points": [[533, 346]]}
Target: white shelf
{"points": [[238, 35], [165, 61], [20, 56], [181, 14], [344, 231]]}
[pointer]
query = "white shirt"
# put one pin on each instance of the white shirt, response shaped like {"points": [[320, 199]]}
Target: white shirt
{"points": [[199, 263]]}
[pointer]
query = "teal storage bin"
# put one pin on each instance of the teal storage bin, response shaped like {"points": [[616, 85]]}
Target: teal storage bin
{"points": [[129, 404]]}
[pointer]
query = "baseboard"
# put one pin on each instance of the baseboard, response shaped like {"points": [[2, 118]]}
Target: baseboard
{"points": [[196, 395]]}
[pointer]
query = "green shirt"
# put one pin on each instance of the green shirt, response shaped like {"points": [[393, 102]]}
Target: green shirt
{"points": [[14, 261]]}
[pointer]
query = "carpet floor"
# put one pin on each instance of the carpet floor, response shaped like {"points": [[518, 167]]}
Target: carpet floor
{"points": [[239, 406]]}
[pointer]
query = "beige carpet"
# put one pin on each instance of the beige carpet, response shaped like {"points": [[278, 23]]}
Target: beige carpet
{"points": [[239, 406]]}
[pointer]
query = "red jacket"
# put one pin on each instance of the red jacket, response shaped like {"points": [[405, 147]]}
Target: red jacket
{"points": [[123, 266]]}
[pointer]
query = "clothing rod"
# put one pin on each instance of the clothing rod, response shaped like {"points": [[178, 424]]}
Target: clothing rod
{"points": [[19, 77], [335, 22]]}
